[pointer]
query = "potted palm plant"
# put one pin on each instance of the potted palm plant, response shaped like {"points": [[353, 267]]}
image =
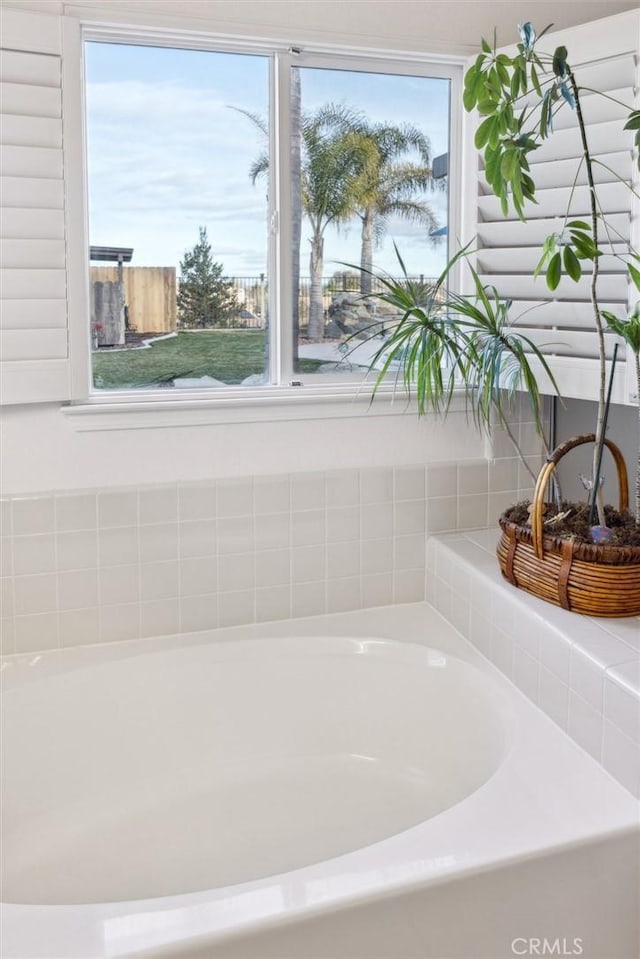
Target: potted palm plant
{"points": [[445, 342]]}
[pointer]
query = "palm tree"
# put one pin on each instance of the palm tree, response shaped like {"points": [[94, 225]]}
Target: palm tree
{"points": [[390, 185], [332, 168], [348, 167], [333, 156], [296, 207]]}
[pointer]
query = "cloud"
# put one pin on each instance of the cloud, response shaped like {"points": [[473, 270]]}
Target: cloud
{"points": [[169, 155], [165, 156]]}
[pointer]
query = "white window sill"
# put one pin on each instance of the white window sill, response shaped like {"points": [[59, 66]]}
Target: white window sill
{"points": [[154, 410]]}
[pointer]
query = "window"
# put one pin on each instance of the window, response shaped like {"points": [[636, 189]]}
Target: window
{"points": [[179, 274], [240, 202]]}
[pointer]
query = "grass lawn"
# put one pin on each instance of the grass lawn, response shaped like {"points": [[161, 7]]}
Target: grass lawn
{"points": [[227, 356]]}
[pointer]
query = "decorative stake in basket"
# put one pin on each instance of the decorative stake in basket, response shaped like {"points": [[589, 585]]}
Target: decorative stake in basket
{"points": [[600, 533], [596, 580]]}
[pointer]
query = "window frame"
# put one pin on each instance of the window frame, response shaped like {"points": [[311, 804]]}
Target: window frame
{"points": [[286, 386]]}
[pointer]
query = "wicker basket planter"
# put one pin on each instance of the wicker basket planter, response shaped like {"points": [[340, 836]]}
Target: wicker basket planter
{"points": [[601, 580]]}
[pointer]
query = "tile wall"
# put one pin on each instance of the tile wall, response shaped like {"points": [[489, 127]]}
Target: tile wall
{"points": [[116, 564], [584, 672]]}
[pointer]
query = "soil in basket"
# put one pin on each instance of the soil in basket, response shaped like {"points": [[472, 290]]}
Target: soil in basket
{"points": [[576, 525]]}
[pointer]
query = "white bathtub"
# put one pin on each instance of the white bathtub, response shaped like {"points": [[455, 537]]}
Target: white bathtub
{"points": [[289, 790]]}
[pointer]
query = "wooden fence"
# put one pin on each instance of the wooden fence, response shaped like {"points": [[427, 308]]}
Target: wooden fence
{"points": [[149, 295]]}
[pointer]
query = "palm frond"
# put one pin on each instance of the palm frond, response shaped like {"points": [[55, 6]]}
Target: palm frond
{"points": [[258, 120], [442, 341]]}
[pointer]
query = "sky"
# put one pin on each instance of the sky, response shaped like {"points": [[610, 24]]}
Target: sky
{"points": [[169, 151]]}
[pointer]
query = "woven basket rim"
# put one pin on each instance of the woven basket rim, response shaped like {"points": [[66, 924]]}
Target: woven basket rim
{"points": [[603, 554]]}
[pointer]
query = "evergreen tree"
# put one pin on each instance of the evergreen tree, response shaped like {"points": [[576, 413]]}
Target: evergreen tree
{"points": [[205, 297]]}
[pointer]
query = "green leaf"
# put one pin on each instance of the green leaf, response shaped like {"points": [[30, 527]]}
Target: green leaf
{"points": [[485, 46], [494, 135], [503, 73], [486, 105], [633, 123], [540, 266], [579, 225], [493, 84], [483, 133], [470, 76], [549, 247], [473, 84], [511, 121], [544, 116], [528, 188], [571, 264], [535, 81], [584, 245], [560, 61], [634, 274], [491, 163], [469, 98], [628, 329], [546, 113], [508, 164], [515, 84], [554, 271], [516, 188]]}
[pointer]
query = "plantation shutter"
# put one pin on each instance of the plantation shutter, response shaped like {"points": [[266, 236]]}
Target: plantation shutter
{"points": [[604, 57], [34, 364]]}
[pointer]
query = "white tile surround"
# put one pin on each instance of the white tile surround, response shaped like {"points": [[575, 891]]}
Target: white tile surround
{"points": [[583, 672], [121, 563], [116, 564], [104, 565]]}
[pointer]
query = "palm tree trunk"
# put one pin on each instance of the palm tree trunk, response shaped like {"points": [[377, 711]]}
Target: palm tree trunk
{"points": [[366, 252], [296, 208], [316, 306]]}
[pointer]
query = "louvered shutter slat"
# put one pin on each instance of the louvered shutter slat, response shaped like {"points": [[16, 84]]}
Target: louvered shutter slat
{"points": [[517, 259], [517, 285], [30, 100], [608, 169], [38, 284], [608, 137], [560, 314], [32, 192], [32, 254], [29, 69], [31, 161], [23, 224], [31, 131], [33, 344], [516, 233], [615, 198], [29, 315], [564, 342], [33, 276], [561, 322]]}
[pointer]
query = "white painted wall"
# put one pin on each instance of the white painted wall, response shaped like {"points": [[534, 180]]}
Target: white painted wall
{"points": [[575, 417], [43, 450], [441, 26]]}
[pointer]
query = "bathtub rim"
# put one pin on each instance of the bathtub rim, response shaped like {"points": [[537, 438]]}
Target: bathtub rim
{"points": [[490, 708], [609, 810]]}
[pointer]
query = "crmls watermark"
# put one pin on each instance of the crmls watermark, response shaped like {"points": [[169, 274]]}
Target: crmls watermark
{"points": [[546, 947]]}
